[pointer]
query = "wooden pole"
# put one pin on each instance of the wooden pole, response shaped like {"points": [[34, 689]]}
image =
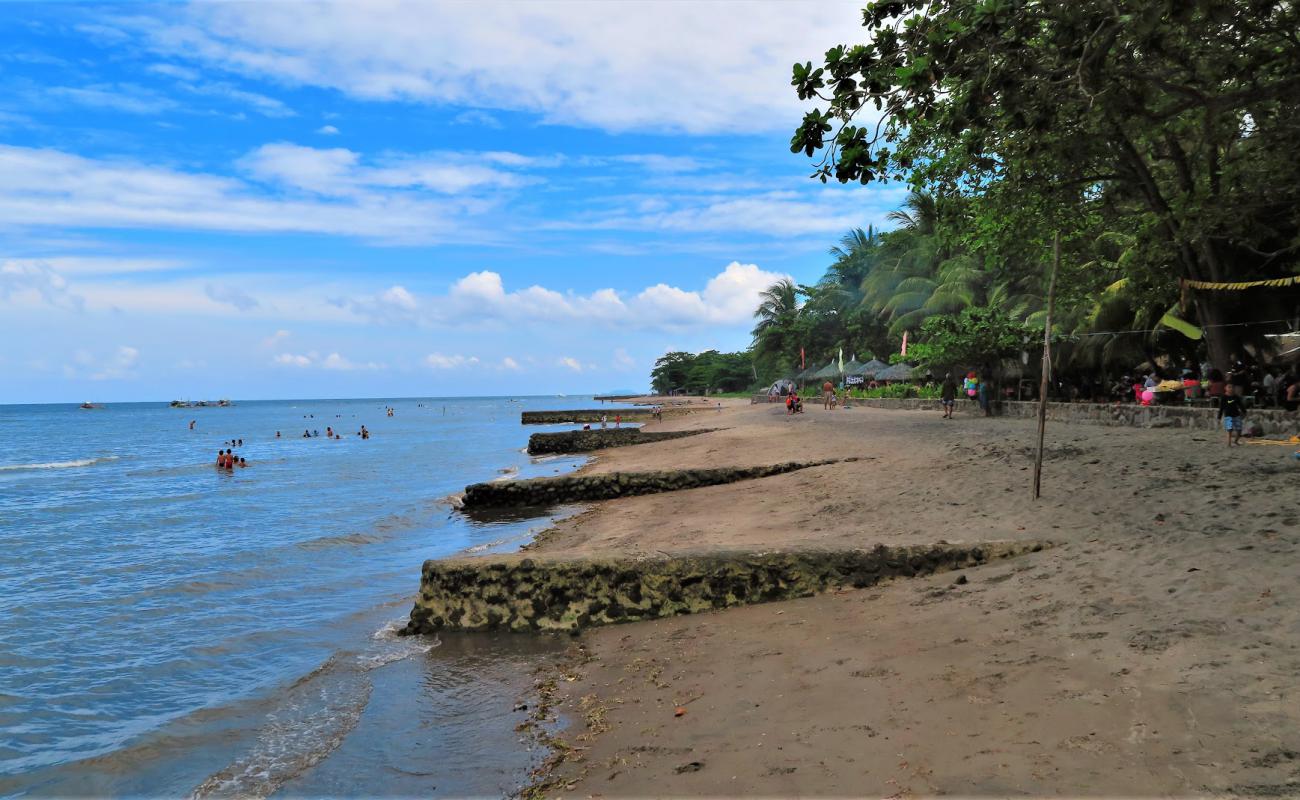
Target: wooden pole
{"points": [[1047, 365]]}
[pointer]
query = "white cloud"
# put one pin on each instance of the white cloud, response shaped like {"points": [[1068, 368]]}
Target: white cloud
{"points": [[570, 363], [618, 66], [36, 281], [266, 106], [729, 297], [230, 295], [292, 360], [339, 172], [623, 361], [40, 187], [275, 338], [333, 361], [477, 117], [119, 365], [327, 130], [125, 97], [510, 364], [439, 361]]}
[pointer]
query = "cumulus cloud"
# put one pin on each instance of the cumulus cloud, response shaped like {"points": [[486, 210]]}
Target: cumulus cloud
{"points": [[618, 66], [327, 130], [333, 361], [230, 295], [570, 363], [509, 363], [729, 297], [476, 117], [439, 361]]}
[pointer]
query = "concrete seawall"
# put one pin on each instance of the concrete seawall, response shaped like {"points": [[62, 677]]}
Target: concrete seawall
{"points": [[522, 593], [594, 414], [606, 486], [586, 441]]}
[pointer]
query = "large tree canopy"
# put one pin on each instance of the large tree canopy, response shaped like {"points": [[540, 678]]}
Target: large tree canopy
{"points": [[1172, 120]]}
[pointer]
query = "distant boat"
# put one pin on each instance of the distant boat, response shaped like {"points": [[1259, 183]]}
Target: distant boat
{"points": [[201, 404], [90, 405]]}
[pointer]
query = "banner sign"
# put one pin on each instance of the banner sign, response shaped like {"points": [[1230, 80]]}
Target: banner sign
{"points": [[854, 380]]}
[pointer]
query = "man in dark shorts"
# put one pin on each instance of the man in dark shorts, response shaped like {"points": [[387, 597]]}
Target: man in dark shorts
{"points": [[948, 395]]}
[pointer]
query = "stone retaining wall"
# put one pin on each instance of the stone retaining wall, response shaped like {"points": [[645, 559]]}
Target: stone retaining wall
{"points": [[585, 488], [1273, 421], [583, 415], [522, 594], [586, 441]]}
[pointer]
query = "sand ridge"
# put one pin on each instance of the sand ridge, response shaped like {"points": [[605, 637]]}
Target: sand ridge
{"points": [[1153, 653]]}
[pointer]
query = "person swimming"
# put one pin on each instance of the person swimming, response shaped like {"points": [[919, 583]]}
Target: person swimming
{"points": [[306, 434], [221, 458], [242, 463]]}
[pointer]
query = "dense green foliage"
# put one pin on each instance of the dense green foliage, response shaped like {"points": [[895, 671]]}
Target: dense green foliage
{"points": [[709, 371], [1158, 136]]}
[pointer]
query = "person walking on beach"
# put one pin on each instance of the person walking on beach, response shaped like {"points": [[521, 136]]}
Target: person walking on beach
{"points": [[828, 394], [604, 421], [1232, 411], [948, 395]]}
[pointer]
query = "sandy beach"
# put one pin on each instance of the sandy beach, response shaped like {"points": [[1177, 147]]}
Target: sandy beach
{"points": [[1152, 652]]}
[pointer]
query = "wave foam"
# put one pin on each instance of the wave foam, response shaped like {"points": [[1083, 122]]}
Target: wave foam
{"points": [[81, 462]]}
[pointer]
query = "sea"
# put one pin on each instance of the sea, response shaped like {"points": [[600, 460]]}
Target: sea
{"points": [[170, 629]]}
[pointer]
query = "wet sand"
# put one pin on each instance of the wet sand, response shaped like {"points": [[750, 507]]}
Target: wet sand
{"points": [[1154, 652]]}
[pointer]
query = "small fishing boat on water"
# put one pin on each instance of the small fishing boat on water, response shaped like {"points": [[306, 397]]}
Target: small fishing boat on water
{"points": [[89, 405]]}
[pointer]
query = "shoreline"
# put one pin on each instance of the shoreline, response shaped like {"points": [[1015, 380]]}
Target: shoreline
{"points": [[1147, 654]]}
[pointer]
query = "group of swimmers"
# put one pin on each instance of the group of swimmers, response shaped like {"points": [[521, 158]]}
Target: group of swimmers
{"points": [[330, 433], [227, 459]]}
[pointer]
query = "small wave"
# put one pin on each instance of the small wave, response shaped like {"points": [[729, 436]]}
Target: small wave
{"points": [[81, 462], [335, 541]]}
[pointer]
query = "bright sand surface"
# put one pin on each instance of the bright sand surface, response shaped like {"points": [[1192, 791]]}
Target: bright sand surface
{"points": [[1154, 652]]}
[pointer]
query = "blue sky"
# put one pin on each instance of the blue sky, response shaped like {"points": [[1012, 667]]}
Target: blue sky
{"points": [[258, 200]]}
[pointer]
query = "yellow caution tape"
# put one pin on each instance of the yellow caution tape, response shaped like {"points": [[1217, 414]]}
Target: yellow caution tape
{"points": [[1272, 283]]}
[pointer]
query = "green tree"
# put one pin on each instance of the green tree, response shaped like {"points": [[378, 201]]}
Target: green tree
{"points": [[1178, 117]]}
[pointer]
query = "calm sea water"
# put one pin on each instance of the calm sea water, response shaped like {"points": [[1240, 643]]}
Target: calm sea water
{"points": [[171, 629]]}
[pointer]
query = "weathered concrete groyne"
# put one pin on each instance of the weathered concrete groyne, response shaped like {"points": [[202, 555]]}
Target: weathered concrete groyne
{"points": [[605, 486], [521, 593], [586, 441], [595, 414]]}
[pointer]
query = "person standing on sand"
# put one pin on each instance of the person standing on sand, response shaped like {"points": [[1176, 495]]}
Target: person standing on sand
{"points": [[828, 394], [618, 420], [604, 421], [948, 395], [1232, 411]]}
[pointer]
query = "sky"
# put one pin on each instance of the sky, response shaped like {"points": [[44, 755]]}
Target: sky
{"points": [[263, 200]]}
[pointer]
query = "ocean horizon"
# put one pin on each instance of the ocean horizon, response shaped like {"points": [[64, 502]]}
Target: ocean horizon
{"points": [[175, 628]]}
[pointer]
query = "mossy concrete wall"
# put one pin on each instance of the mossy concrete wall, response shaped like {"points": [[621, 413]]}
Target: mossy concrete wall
{"points": [[594, 414], [586, 441], [521, 593], [606, 486]]}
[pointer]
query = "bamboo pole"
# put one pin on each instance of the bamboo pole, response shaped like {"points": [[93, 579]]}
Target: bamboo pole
{"points": [[1047, 365]]}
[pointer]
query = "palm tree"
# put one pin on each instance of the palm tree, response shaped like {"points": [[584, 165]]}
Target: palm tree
{"points": [[779, 302], [920, 213]]}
